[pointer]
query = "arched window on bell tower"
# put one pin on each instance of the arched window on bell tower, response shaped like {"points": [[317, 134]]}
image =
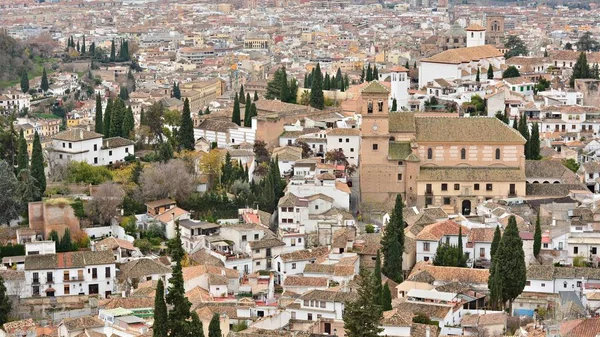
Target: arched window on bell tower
{"points": [[370, 107], [380, 106]]}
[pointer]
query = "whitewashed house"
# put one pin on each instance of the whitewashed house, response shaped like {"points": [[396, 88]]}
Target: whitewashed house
{"points": [[445, 232], [347, 140], [87, 146], [552, 280]]}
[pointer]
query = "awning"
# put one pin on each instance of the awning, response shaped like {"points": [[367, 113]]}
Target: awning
{"points": [[50, 290]]}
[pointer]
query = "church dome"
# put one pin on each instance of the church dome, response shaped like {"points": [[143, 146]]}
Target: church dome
{"points": [[455, 31]]}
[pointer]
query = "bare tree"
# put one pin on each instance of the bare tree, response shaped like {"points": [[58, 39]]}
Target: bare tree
{"points": [[167, 180], [105, 202]]}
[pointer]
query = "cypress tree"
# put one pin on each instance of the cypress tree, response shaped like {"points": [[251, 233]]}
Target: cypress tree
{"points": [[186, 130], [490, 72], [317, 100], [179, 314], [248, 111], [327, 82], [98, 125], [92, 49], [375, 73], [386, 298], [235, 116], [24, 81], [284, 91], [362, 75], [112, 51], [255, 96], [477, 75], [160, 311], [369, 73], [394, 105], [346, 82], [377, 276], [117, 117], [537, 237], [393, 243], [406, 65], [509, 267], [22, 156], [254, 113], [581, 69], [5, 303], [242, 95], [524, 130], [83, 46], [462, 261], [495, 242], [108, 112], [44, 85], [196, 326], [37, 163], [339, 80], [305, 83], [362, 316], [142, 117], [534, 143], [207, 111], [214, 327], [78, 48], [128, 124]]}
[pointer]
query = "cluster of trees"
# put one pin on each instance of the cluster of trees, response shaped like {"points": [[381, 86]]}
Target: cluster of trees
{"points": [[392, 243], [117, 119], [369, 74], [81, 48], [515, 46], [317, 99], [587, 43], [65, 243], [12, 250], [450, 255], [507, 271], [511, 71], [337, 82], [582, 69], [383, 294], [249, 109], [281, 88], [178, 320], [532, 145], [17, 57], [122, 55], [362, 315]]}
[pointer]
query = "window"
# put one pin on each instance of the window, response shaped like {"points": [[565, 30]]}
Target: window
{"points": [[446, 201], [482, 252], [428, 201], [70, 145], [322, 304], [306, 303], [444, 187], [497, 154], [126, 150], [543, 285], [476, 187], [94, 273], [575, 250], [429, 153], [578, 284], [528, 283], [95, 160], [294, 265], [60, 156], [399, 176], [545, 246], [293, 315], [316, 207], [255, 236], [428, 189], [107, 272], [95, 147], [463, 154], [257, 251], [244, 238], [257, 263], [370, 107], [488, 187], [340, 140], [67, 289], [110, 153], [309, 317], [375, 147], [65, 275], [426, 258], [380, 106], [425, 246], [299, 240], [565, 284], [351, 149], [594, 251], [456, 187], [289, 142], [63, 145], [49, 278], [347, 140]]}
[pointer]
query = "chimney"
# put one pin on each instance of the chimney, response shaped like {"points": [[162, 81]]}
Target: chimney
{"points": [[81, 134]]}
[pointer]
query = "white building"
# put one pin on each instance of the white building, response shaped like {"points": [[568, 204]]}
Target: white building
{"points": [[347, 140], [400, 83], [195, 234], [445, 232], [71, 273], [475, 35], [12, 101], [325, 184], [225, 133], [89, 147], [551, 280]]}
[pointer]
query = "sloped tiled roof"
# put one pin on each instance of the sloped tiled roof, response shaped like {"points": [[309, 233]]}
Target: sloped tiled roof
{"points": [[490, 174], [464, 55], [399, 150], [374, 87], [436, 231], [142, 267]]}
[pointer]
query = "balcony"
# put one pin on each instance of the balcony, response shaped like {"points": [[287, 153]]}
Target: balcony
{"points": [[36, 281], [50, 280], [73, 279]]}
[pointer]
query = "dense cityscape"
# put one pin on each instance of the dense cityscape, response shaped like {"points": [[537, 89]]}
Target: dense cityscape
{"points": [[299, 168]]}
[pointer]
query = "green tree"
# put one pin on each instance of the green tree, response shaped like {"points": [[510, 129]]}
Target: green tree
{"points": [[394, 105], [339, 80], [83, 48], [534, 143], [44, 84], [326, 82], [116, 118], [160, 311], [462, 259], [515, 46], [176, 91], [377, 276], [255, 96], [386, 298], [24, 81], [495, 242], [392, 243], [511, 71], [369, 73], [23, 155], [490, 72], [108, 112], [541, 85], [53, 236], [509, 271], [477, 75], [362, 75], [571, 164], [587, 43], [196, 326], [5, 303], [375, 73], [581, 69], [537, 237], [37, 163], [136, 172], [524, 130], [362, 316], [65, 244], [165, 151], [28, 189], [128, 124], [123, 93], [112, 51], [178, 324], [248, 111], [568, 46], [214, 327], [242, 95], [9, 198], [317, 99], [186, 130], [98, 125], [227, 176], [235, 116]]}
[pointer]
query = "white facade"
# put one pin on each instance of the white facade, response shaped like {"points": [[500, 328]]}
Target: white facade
{"points": [[475, 38], [14, 101], [89, 147], [40, 247], [348, 142], [341, 197], [400, 83], [426, 248]]}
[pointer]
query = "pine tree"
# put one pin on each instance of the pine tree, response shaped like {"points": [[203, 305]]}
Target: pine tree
{"points": [[242, 95], [255, 96], [537, 237], [186, 130], [326, 82], [248, 111], [235, 116], [44, 85], [386, 298], [23, 155], [24, 81], [117, 117], [339, 80], [128, 124], [112, 51], [509, 269], [83, 46], [362, 316], [37, 163], [394, 105], [108, 112], [377, 276], [317, 100], [214, 327], [375, 73], [160, 311], [179, 314], [5, 303], [98, 126], [534, 143], [393, 243], [490, 72], [477, 75], [495, 242]]}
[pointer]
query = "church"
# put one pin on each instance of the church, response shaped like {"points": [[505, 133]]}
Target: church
{"points": [[449, 162]]}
